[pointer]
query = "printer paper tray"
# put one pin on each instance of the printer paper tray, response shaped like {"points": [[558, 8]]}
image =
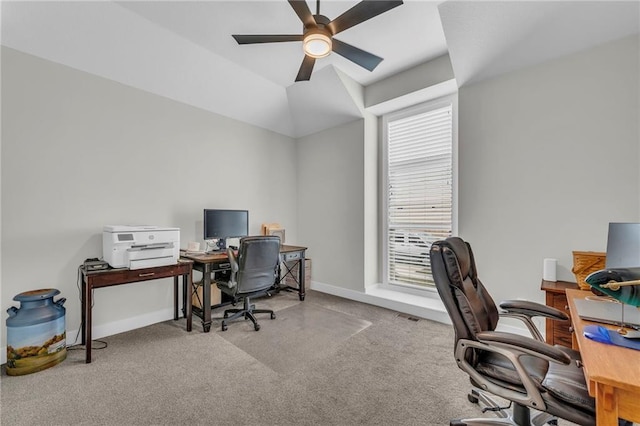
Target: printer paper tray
{"points": [[150, 263]]}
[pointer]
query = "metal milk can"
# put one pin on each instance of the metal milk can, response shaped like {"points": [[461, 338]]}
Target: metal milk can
{"points": [[36, 332]]}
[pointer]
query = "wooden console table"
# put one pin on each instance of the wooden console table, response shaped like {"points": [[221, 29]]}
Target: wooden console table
{"points": [[111, 277], [557, 332], [209, 263]]}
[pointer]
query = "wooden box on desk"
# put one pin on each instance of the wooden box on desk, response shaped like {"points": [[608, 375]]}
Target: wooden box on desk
{"points": [[290, 281], [196, 297]]}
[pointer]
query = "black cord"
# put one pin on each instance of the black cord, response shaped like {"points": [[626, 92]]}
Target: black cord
{"points": [[80, 346], [74, 345]]}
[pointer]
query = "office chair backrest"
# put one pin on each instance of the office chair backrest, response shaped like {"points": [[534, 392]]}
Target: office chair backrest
{"points": [[258, 259], [468, 303]]}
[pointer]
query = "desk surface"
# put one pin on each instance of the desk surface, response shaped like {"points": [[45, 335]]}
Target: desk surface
{"points": [[213, 257], [612, 372]]}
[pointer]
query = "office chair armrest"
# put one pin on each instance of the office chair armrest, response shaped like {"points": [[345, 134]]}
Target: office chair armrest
{"points": [[494, 343], [524, 344], [525, 310], [533, 309]]}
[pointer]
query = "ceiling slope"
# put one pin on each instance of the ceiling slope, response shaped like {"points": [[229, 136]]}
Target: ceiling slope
{"points": [[488, 38], [183, 50], [107, 40], [322, 104]]}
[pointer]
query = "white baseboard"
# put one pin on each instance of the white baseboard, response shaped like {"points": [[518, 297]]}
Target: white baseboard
{"points": [[422, 307], [419, 306], [111, 328]]}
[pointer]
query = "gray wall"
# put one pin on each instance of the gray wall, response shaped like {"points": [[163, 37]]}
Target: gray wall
{"points": [[548, 156], [331, 204], [80, 152]]}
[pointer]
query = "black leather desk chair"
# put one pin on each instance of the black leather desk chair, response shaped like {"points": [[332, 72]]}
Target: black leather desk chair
{"points": [[253, 273], [523, 370]]}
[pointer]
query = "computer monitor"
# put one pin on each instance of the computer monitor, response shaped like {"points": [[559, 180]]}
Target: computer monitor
{"points": [[222, 224], [623, 246]]}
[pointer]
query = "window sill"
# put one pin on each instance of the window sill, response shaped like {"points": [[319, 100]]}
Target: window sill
{"points": [[426, 307]]}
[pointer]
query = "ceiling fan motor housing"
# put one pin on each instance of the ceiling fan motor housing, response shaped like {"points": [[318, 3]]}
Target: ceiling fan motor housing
{"points": [[321, 21]]}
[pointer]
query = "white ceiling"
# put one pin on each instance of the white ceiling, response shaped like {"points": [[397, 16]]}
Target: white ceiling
{"points": [[404, 36], [183, 50]]}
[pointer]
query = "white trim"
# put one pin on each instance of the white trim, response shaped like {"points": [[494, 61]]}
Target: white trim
{"points": [[415, 305], [111, 328], [127, 324], [377, 295], [419, 306], [427, 94]]}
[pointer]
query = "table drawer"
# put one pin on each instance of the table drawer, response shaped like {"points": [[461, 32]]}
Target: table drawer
{"points": [[112, 277], [559, 301], [288, 257]]}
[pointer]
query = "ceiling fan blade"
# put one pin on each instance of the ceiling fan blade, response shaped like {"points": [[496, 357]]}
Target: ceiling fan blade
{"points": [[364, 59], [361, 12], [302, 10], [272, 38], [304, 74]]}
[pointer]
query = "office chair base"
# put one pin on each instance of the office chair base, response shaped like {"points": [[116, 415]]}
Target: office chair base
{"points": [[247, 312], [519, 416], [539, 420]]}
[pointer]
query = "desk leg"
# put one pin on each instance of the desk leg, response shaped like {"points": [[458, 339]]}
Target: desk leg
{"points": [[206, 298], [83, 313], [606, 405], [187, 287], [301, 274], [87, 321], [175, 298]]}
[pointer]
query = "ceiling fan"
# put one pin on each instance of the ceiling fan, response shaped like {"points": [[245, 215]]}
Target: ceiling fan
{"points": [[318, 32]]}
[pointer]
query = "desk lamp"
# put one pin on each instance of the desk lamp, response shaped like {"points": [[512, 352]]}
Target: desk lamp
{"points": [[621, 277]]}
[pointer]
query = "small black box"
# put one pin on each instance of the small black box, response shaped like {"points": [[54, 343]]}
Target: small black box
{"points": [[95, 265]]}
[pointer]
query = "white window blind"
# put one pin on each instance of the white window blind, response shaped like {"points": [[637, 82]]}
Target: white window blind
{"points": [[419, 192]]}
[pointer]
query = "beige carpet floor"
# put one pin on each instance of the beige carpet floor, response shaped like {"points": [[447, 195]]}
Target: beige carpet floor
{"points": [[324, 361]]}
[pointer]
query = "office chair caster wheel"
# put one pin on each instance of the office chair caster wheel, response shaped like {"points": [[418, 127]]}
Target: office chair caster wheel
{"points": [[472, 398], [256, 327], [224, 327], [273, 316], [302, 298]]}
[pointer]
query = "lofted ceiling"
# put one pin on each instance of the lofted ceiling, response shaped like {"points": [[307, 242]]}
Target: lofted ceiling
{"points": [[404, 36], [183, 50]]}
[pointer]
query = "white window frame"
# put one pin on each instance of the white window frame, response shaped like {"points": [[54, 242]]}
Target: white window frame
{"points": [[414, 110]]}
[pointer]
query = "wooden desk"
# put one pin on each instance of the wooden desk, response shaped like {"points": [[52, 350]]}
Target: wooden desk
{"points": [[110, 277], [218, 262], [612, 372]]}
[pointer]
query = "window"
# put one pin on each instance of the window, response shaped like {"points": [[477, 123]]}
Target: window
{"points": [[419, 190]]}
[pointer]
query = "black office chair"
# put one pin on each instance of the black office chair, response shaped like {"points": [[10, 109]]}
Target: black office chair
{"points": [[526, 371], [253, 273]]}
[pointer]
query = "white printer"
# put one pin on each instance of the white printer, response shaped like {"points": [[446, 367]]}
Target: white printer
{"points": [[140, 246]]}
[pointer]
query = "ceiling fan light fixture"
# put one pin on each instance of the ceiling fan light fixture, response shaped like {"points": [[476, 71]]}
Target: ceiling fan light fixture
{"points": [[316, 44]]}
